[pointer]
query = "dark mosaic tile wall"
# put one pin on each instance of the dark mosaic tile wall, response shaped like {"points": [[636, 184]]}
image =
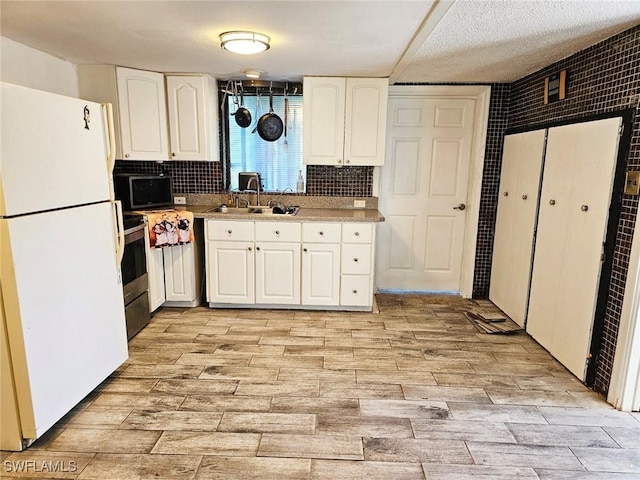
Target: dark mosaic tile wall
{"points": [[206, 177], [497, 124], [602, 78], [342, 182], [188, 177]]}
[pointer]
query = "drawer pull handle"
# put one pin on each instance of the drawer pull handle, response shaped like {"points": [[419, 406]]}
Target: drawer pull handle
{"points": [[355, 291], [357, 234], [229, 232]]}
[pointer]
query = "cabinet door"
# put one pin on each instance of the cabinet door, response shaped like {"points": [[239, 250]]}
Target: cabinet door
{"points": [[155, 273], [324, 106], [365, 123], [574, 209], [515, 222], [143, 114], [321, 274], [230, 272], [189, 104], [278, 273], [179, 273]]}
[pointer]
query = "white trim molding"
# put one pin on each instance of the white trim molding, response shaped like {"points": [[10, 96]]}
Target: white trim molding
{"points": [[624, 389]]}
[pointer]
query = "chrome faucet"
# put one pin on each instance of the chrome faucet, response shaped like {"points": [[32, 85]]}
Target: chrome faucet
{"points": [[255, 179]]}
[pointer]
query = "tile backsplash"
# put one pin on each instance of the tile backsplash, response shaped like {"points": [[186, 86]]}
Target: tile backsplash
{"points": [[207, 177]]}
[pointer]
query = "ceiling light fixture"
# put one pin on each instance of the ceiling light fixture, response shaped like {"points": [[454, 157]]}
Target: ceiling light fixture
{"points": [[252, 73], [244, 43]]}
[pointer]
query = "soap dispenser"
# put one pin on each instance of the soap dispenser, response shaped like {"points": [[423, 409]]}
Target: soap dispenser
{"points": [[300, 183]]}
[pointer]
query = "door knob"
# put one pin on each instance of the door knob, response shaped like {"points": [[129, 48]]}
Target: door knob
{"points": [[461, 206]]}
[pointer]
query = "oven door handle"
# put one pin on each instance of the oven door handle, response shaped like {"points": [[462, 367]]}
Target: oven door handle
{"points": [[120, 232]]}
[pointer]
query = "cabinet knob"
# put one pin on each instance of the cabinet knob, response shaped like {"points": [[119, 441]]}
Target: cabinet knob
{"points": [[249, 248], [258, 249], [355, 291], [277, 232], [321, 233], [229, 232], [524, 197], [173, 154], [126, 155], [339, 161], [552, 202], [357, 234], [584, 208], [346, 161], [506, 194], [355, 259], [304, 249]]}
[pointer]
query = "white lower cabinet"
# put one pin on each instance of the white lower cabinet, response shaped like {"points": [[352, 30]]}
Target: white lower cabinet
{"points": [[174, 275], [289, 263]]}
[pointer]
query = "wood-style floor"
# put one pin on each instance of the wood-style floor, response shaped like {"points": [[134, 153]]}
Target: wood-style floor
{"points": [[413, 392]]}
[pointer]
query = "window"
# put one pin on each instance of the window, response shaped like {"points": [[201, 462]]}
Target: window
{"points": [[277, 162]]}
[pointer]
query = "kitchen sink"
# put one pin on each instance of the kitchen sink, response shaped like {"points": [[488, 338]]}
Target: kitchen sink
{"points": [[253, 210]]}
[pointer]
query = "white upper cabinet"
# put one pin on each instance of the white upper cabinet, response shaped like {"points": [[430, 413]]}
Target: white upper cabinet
{"points": [[139, 104], [345, 120], [143, 114], [193, 120]]}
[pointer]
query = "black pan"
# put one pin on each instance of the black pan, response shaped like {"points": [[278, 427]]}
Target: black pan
{"points": [[243, 115], [270, 125]]}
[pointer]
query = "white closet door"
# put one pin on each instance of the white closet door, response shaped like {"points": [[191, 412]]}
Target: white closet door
{"points": [[515, 222], [574, 209]]}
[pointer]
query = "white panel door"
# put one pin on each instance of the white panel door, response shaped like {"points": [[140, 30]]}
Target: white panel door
{"points": [[321, 274], [424, 186], [64, 308], [515, 222], [179, 273], [143, 114], [231, 272], [574, 209], [48, 159], [278, 273]]}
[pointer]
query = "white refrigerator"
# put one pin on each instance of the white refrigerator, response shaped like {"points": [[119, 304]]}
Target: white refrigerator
{"points": [[61, 305]]}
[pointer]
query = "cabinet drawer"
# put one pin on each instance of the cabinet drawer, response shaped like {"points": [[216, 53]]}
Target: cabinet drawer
{"points": [[354, 290], [356, 259], [357, 232], [321, 232], [277, 232], [229, 230]]}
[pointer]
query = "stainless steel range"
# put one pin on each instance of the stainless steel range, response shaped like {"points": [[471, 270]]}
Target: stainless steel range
{"points": [[134, 275]]}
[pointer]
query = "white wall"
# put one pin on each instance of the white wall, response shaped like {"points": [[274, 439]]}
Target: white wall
{"points": [[26, 66]]}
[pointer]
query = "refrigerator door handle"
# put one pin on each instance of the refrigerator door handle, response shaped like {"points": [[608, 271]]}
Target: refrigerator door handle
{"points": [[120, 232], [111, 140]]}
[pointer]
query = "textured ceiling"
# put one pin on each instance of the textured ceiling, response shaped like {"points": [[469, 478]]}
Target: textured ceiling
{"points": [[409, 40]]}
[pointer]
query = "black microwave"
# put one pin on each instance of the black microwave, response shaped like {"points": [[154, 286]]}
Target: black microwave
{"points": [[143, 191]]}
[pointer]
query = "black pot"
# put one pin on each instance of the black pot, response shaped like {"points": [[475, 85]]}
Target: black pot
{"points": [[242, 115], [270, 126]]}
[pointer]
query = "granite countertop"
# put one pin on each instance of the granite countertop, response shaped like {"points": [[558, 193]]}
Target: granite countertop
{"points": [[305, 214]]}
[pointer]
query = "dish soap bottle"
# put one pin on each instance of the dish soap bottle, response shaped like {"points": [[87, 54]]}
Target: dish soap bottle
{"points": [[300, 183]]}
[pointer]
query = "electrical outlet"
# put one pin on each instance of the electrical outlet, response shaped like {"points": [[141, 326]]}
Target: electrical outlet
{"points": [[180, 200], [359, 203]]}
